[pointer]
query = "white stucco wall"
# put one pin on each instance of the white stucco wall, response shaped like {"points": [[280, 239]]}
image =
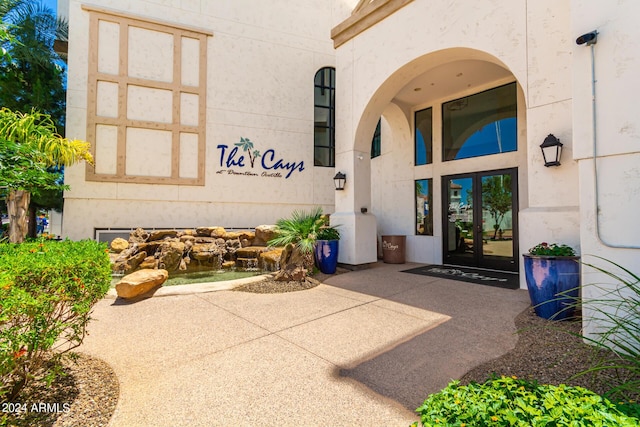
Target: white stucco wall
{"points": [[261, 63], [611, 231], [531, 40]]}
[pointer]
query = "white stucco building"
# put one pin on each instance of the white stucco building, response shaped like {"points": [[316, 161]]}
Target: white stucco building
{"points": [[463, 94]]}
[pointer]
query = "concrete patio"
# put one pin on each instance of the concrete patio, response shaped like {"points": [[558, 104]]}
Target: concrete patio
{"points": [[364, 348]]}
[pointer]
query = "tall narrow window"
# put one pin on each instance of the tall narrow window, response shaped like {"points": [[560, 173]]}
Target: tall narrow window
{"points": [[375, 142], [424, 211], [423, 137], [480, 124], [324, 133]]}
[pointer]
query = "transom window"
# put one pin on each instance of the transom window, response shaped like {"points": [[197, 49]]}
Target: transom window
{"points": [[324, 133], [480, 124]]}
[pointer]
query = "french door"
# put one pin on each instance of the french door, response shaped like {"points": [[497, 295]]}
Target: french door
{"points": [[480, 221]]}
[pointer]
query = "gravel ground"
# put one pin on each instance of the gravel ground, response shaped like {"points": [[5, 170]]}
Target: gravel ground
{"points": [[86, 396], [546, 351]]}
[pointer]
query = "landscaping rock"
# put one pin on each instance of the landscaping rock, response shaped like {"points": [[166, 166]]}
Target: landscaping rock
{"points": [[291, 273], [264, 233], [206, 251], [162, 234], [139, 235], [239, 235], [149, 262], [119, 244], [140, 282], [128, 260], [171, 255], [204, 247], [250, 251], [270, 260], [210, 231]]}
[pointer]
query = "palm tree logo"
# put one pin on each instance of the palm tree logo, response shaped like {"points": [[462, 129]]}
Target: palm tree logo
{"points": [[247, 145]]}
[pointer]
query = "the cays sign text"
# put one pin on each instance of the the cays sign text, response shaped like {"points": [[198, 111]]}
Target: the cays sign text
{"points": [[243, 159]]}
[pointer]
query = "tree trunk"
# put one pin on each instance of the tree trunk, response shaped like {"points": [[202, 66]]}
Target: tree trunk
{"points": [[18, 207]]}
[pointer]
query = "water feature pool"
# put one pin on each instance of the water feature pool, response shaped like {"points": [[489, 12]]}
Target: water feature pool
{"points": [[202, 276], [209, 276]]}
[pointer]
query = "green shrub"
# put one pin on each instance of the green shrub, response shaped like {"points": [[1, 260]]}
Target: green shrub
{"points": [[47, 290], [508, 401]]}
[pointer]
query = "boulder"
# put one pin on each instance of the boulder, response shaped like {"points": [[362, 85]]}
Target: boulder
{"points": [[139, 235], [250, 251], [231, 247], [162, 234], [206, 251], [270, 260], [149, 247], [149, 262], [295, 273], [210, 231], [264, 233], [200, 239], [240, 235], [187, 238], [128, 260], [140, 282], [170, 255], [218, 232], [228, 264], [119, 244]]}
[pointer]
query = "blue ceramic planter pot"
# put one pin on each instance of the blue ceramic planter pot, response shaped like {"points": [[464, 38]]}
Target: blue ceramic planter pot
{"points": [[326, 255], [553, 284]]}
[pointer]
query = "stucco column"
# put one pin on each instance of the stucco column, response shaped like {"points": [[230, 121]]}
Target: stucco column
{"points": [[357, 229]]}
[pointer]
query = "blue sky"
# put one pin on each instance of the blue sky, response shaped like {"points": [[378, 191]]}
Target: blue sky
{"points": [[52, 4]]}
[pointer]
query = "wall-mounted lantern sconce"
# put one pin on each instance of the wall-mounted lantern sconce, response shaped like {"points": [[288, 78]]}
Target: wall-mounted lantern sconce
{"points": [[551, 151], [339, 180]]}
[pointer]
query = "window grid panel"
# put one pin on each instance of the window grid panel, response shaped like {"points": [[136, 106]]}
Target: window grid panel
{"points": [[196, 126]]}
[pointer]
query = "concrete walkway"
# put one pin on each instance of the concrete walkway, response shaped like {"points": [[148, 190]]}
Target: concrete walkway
{"points": [[363, 349]]}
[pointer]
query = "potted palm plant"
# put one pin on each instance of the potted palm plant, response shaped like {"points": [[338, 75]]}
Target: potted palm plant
{"points": [[313, 240], [552, 273]]}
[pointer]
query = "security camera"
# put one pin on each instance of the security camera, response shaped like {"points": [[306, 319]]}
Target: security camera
{"points": [[588, 38]]}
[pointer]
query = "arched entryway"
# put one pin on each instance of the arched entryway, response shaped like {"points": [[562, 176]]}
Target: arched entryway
{"points": [[456, 114]]}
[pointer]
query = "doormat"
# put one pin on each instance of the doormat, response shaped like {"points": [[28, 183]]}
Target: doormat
{"points": [[471, 275]]}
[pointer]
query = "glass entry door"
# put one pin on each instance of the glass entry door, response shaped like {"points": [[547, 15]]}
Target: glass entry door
{"points": [[481, 219]]}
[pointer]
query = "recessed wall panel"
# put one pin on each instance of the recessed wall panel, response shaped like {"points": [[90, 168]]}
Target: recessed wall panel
{"points": [[150, 104], [106, 146], [108, 47], [107, 99], [148, 152], [188, 155], [150, 54], [190, 61], [189, 109]]}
